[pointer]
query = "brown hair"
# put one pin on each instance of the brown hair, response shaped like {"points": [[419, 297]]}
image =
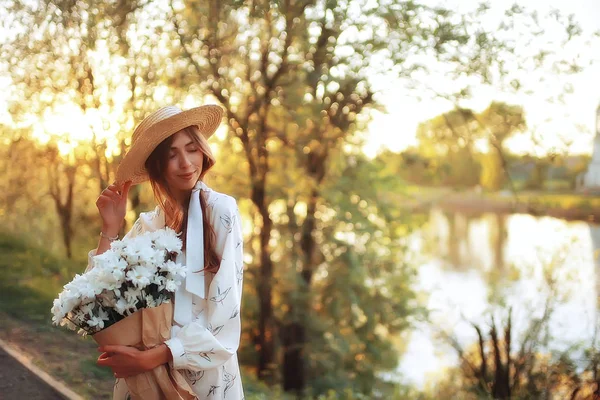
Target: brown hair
{"points": [[175, 214]]}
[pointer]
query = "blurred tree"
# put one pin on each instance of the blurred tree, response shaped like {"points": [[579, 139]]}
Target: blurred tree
{"points": [[499, 121], [451, 138], [61, 191], [502, 120], [455, 140]]}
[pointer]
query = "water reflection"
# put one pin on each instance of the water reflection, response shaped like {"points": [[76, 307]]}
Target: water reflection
{"points": [[475, 266], [595, 235]]}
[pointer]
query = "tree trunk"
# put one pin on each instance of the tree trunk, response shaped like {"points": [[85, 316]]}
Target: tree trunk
{"points": [[266, 357], [294, 334], [500, 387], [64, 209]]}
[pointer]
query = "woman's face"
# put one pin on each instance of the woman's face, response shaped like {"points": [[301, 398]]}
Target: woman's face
{"points": [[184, 162]]}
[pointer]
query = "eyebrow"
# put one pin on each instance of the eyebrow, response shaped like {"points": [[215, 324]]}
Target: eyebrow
{"points": [[187, 144]]}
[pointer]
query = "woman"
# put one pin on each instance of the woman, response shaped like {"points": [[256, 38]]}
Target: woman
{"points": [[170, 149]]}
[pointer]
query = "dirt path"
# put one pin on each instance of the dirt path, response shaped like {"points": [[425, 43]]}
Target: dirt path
{"points": [[17, 382], [63, 354]]}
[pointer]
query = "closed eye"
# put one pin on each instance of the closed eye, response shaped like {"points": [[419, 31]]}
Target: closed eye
{"points": [[190, 150]]}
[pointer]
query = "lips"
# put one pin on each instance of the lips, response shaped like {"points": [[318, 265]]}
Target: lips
{"points": [[187, 176]]}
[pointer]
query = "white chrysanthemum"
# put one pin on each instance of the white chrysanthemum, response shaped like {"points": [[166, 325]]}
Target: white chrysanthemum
{"points": [[107, 260], [138, 248], [81, 287], [122, 306], [139, 276], [118, 245], [175, 269], [87, 308], [149, 255], [132, 296], [67, 302], [108, 280], [118, 275], [151, 266], [120, 264], [58, 310], [172, 285], [167, 239], [96, 322]]}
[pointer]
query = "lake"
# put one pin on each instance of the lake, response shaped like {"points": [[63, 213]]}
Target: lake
{"points": [[474, 266]]}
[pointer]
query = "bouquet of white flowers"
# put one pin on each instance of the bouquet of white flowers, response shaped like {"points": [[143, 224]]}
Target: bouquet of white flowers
{"points": [[127, 299], [134, 274]]}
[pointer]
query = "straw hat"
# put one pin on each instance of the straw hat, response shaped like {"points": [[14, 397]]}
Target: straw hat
{"points": [[158, 126]]}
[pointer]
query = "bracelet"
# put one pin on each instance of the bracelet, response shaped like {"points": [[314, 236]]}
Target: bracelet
{"points": [[110, 239]]}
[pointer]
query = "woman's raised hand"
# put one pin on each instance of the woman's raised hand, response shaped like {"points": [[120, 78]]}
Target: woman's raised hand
{"points": [[112, 204]]}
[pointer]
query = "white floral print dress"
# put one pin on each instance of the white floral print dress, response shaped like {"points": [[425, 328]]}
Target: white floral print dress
{"points": [[205, 350]]}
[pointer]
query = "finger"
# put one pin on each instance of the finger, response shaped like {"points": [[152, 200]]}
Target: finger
{"points": [[111, 348], [105, 200], [104, 360], [111, 193], [126, 188], [106, 354], [112, 190]]}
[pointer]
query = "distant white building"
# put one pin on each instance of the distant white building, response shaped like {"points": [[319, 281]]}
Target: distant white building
{"points": [[591, 178]]}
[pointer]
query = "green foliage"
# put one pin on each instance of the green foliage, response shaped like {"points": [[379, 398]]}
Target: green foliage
{"points": [[31, 278], [364, 296], [89, 366]]}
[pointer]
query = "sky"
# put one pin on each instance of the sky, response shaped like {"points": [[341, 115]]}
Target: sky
{"points": [[396, 129]]}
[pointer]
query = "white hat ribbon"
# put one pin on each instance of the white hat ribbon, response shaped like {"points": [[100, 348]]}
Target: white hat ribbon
{"points": [[194, 260]]}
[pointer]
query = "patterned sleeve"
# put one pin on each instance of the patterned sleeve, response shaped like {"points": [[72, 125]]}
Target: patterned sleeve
{"points": [[197, 347]]}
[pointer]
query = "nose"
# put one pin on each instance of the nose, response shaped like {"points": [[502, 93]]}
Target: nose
{"points": [[184, 162]]}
